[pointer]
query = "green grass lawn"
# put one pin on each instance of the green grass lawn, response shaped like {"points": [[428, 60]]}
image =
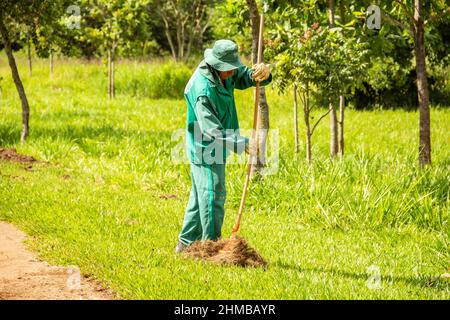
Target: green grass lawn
{"points": [[326, 230]]}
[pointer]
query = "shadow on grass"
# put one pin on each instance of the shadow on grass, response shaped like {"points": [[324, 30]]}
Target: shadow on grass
{"points": [[425, 281], [9, 134]]}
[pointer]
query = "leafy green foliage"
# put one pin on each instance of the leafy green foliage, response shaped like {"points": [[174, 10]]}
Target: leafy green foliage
{"points": [[33, 18], [106, 25], [182, 26], [332, 61], [232, 22]]}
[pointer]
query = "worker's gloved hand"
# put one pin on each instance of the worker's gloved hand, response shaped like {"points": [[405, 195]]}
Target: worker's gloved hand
{"points": [[261, 71]]}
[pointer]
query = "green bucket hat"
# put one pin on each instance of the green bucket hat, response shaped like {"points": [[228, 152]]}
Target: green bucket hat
{"points": [[223, 56]]}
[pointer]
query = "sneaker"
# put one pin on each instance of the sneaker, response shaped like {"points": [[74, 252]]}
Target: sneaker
{"points": [[180, 247]]}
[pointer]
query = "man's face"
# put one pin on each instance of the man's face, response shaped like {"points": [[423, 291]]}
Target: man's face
{"points": [[225, 74]]}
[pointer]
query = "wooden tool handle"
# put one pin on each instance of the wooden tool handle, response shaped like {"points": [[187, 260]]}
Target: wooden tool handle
{"points": [[254, 140]]}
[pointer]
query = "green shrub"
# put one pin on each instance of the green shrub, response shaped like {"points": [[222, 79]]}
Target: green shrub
{"points": [[158, 80]]}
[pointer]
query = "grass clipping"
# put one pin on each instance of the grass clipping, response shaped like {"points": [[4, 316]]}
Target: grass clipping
{"points": [[234, 251]]}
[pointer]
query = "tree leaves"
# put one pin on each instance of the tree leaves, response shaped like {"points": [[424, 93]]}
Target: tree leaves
{"points": [[332, 60]]}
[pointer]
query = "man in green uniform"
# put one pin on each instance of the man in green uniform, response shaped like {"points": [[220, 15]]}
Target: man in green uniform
{"points": [[213, 131]]}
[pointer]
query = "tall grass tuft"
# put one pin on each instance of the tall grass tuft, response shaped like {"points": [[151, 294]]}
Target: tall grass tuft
{"points": [[165, 80]]}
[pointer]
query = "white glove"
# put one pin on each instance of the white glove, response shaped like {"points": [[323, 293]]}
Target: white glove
{"points": [[261, 71]]}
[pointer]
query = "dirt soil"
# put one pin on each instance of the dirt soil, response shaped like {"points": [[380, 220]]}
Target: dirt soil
{"points": [[233, 251], [13, 156], [23, 276]]}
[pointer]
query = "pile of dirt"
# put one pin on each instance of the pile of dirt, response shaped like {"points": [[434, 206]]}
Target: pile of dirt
{"points": [[446, 275], [168, 196], [13, 156], [234, 251]]}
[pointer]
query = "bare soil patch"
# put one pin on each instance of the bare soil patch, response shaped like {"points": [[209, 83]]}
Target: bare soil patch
{"points": [[168, 196], [12, 155], [23, 276]]}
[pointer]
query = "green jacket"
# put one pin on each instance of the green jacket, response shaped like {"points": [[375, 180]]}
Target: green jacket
{"points": [[212, 122]]}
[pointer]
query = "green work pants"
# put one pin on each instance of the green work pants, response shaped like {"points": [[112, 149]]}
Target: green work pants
{"points": [[205, 211]]}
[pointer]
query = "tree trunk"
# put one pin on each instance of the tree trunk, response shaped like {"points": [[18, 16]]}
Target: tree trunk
{"points": [[182, 37], [333, 116], [109, 74], [113, 74], [341, 126], [178, 34], [306, 110], [263, 128], [168, 36], [341, 98], [30, 67], [172, 47], [51, 64], [342, 11], [333, 131], [331, 13], [17, 81], [295, 119], [422, 87]]}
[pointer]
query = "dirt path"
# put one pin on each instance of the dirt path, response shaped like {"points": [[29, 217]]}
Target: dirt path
{"points": [[23, 276]]}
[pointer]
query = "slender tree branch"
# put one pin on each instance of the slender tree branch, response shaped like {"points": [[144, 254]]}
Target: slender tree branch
{"points": [[174, 5], [323, 116], [387, 18], [167, 32], [205, 27], [300, 95]]}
